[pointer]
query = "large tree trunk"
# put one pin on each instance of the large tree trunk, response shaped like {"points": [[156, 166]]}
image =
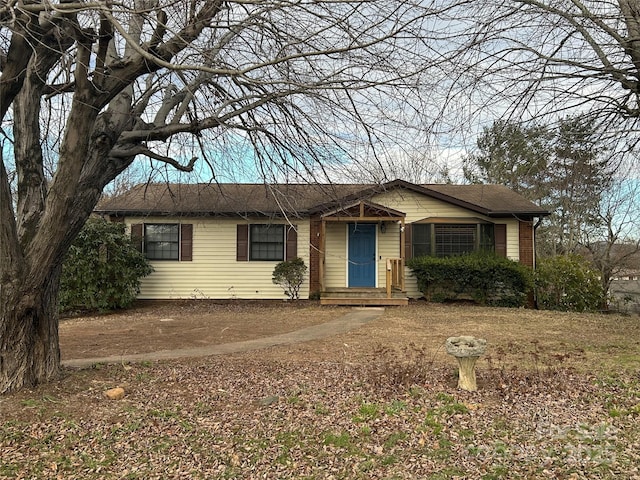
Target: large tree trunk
{"points": [[29, 350]]}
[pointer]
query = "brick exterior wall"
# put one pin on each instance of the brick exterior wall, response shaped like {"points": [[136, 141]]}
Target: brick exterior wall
{"points": [[314, 255], [526, 243]]}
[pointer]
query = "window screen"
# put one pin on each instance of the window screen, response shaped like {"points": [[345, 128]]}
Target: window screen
{"points": [[162, 241], [421, 237], [454, 239], [445, 240], [266, 242]]}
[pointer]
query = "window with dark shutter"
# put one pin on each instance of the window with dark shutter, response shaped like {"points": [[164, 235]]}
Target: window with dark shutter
{"points": [[266, 242], [408, 250], [162, 241], [421, 239]]}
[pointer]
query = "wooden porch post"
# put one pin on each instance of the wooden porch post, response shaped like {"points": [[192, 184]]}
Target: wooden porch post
{"points": [[322, 243], [402, 253]]}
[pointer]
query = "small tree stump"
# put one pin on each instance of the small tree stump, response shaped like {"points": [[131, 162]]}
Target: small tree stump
{"points": [[467, 350]]}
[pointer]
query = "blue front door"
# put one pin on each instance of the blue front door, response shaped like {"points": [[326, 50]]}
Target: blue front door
{"points": [[362, 255]]}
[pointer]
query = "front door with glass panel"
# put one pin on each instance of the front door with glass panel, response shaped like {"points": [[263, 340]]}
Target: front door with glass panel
{"points": [[362, 255]]}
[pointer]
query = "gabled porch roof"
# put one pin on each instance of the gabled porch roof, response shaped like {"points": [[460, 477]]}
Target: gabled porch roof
{"points": [[363, 211]]}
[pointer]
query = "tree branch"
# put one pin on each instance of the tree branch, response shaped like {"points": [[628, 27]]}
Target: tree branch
{"points": [[124, 152]]}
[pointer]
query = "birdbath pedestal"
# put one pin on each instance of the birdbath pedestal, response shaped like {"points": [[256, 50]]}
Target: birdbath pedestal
{"points": [[467, 350]]}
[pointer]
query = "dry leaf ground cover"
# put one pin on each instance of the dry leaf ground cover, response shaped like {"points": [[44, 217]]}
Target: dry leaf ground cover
{"points": [[559, 398]]}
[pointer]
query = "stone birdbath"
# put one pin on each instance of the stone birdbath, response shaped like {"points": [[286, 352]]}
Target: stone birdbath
{"points": [[467, 350]]}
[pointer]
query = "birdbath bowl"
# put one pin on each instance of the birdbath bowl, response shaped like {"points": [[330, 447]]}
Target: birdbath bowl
{"points": [[467, 350]]}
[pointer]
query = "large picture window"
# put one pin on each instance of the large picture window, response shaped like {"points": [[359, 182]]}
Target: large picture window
{"points": [[266, 242], [450, 239], [162, 241]]}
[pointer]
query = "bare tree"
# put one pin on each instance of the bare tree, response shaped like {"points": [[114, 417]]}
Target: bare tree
{"points": [[89, 86], [613, 244], [522, 60], [385, 165]]}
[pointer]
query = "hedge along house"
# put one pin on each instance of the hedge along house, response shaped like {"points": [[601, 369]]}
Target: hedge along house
{"points": [[222, 241]]}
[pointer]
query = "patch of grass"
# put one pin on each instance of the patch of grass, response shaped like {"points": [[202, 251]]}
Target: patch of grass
{"points": [[320, 409], [395, 407], [367, 412], [497, 472], [394, 439], [447, 474], [389, 460], [339, 440], [432, 423], [165, 413], [367, 466]]}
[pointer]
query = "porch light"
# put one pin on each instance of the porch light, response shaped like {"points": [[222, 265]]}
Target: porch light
{"points": [[383, 227]]}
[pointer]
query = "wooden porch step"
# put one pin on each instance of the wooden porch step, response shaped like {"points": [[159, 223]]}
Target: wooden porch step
{"points": [[365, 302], [362, 296]]}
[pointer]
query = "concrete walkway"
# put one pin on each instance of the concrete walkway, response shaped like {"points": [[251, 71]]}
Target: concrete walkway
{"points": [[346, 323]]}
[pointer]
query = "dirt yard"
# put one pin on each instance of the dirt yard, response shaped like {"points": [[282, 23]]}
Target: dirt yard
{"points": [[155, 326], [514, 335]]}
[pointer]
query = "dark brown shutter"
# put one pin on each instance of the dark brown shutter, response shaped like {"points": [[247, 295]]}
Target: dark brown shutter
{"points": [[242, 243], [500, 236], [408, 250], [136, 235], [186, 242], [292, 243]]}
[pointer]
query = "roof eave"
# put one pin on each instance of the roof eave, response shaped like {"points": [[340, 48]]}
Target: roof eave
{"points": [[512, 213], [178, 213]]}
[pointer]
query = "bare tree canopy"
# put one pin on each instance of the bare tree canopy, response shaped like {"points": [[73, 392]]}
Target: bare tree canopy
{"points": [[87, 87], [525, 59], [535, 61]]}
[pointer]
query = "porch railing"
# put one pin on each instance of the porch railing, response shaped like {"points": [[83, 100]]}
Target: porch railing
{"points": [[395, 275]]}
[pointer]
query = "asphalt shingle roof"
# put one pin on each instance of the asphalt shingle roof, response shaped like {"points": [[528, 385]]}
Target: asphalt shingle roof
{"points": [[235, 199]]}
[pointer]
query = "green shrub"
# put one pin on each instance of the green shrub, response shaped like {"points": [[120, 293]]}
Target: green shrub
{"points": [[485, 278], [102, 269], [568, 283], [290, 275]]}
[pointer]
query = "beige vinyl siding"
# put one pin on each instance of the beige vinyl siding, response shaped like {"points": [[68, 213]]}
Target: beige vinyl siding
{"points": [[214, 272], [388, 247], [513, 239], [336, 255], [418, 207]]}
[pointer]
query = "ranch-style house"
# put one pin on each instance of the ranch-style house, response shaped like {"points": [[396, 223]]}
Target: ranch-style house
{"points": [[222, 241]]}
